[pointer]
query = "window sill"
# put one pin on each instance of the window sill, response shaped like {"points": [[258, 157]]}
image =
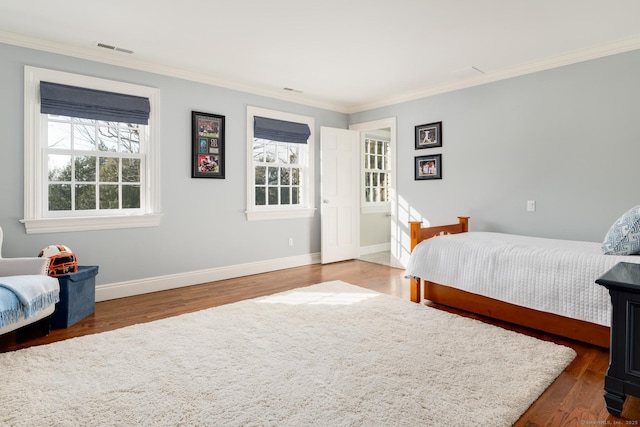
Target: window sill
{"points": [[60, 225], [279, 214]]}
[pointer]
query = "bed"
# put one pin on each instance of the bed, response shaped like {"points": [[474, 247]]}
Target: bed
{"points": [[540, 283]]}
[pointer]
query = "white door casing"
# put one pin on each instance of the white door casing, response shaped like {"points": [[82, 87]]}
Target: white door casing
{"points": [[340, 194], [398, 252]]}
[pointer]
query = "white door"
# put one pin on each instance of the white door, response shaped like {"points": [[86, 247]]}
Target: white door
{"points": [[340, 196]]}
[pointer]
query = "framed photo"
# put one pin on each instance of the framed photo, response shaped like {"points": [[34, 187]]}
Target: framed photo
{"points": [[429, 167], [207, 151], [429, 135]]}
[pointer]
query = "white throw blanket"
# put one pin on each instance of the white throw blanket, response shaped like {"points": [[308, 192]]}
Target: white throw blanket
{"points": [[34, 292], [555, 276]]}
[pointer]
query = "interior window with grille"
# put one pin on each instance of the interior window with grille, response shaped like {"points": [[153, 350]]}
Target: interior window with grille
{"points": [[376, 171]]}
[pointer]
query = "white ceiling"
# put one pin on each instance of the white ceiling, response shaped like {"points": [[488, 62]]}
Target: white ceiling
{"points": [[345, 55]]}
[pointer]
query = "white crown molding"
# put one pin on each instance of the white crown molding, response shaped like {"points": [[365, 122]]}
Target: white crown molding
{"points": [[118, 59], [173, 281], [121, 60], [620, 46]]}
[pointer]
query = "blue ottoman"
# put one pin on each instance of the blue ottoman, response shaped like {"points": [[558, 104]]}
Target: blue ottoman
{"points": [[77, 296]]}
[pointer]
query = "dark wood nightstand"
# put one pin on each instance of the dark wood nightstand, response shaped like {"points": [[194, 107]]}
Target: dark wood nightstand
{"points": [[623, 375]]}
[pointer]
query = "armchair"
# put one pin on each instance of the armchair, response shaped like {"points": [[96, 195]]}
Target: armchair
{"points": [[27, 266]]}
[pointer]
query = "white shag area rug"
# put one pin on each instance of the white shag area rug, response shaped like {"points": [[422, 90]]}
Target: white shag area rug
{"points": [[331, 354]]}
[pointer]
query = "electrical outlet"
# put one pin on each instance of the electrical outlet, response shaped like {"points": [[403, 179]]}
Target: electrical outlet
{"points": [[531, 205], [290, 241]]}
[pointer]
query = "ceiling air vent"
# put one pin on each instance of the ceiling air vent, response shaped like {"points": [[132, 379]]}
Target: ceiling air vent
{"points": [[117, 49], [106, 46]]}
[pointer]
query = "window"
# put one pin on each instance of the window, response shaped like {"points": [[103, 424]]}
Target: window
{"points": [[376, 170], [93, 166], [88, 173], [279, 165], [277, 170]]}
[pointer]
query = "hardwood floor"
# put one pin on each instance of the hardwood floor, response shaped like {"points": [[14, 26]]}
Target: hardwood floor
{"points": [[575, 398]]}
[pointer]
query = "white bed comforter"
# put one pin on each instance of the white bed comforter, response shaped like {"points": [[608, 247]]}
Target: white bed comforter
{"points": [[556, 276]]}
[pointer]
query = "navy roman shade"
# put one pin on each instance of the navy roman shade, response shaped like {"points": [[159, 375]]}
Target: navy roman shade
{"points": [[280, 130], [64, 100]]}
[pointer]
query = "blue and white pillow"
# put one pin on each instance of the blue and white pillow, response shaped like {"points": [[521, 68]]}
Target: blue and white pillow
{"points": [[623, 238]]}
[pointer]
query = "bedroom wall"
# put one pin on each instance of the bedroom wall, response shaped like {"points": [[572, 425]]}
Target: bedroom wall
{"points": [[204, 225], [568, 138]]}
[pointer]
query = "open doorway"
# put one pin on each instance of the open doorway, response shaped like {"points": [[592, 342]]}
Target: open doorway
{"points": [[377, 190]]}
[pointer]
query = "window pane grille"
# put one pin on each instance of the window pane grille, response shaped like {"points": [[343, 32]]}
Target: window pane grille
{"points": [[108, 138], [261, 198], [59, 168], [131, 197], [85, 197], [59, 134], [261, 175], [59, 197], [277, 172], [376, 168], [131, 170], [109, 197], [84, 137], [93, 165]]}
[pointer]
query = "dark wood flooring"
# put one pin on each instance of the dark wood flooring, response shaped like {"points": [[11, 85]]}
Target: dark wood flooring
{"points": [[575, 398]]}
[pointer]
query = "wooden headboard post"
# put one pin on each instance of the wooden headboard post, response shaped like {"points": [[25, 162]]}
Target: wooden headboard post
{"points": [[418, 234], [414, 232], [464, 222]]}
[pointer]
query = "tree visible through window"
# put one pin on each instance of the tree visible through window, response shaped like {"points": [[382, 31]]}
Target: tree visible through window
{"points": [[280, 165], [278, 172], [92, 153], [93, 165]]}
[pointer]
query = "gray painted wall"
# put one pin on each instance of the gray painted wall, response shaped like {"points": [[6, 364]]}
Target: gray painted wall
{"points": [[204, 224], [568, 138], [374, 229]]}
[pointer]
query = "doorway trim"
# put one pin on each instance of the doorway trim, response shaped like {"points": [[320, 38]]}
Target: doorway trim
{"points": [[391, 124]]}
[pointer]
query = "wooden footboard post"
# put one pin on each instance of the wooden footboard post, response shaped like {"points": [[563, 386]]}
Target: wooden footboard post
{"points": [[414, 285]]}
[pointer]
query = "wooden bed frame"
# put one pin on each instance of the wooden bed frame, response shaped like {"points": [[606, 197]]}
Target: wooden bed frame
{"points": [[451, 297]]}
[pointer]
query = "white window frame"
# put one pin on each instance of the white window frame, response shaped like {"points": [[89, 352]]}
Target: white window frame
{"points": [[306, 208], [35, 125]]}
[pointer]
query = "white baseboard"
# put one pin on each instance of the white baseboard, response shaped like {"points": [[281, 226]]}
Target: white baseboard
{"points": [[162, 283], [372, 249]]}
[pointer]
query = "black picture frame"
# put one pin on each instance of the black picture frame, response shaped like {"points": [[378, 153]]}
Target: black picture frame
{"points": [[428, 135], [428, 167], [207, 149]]}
